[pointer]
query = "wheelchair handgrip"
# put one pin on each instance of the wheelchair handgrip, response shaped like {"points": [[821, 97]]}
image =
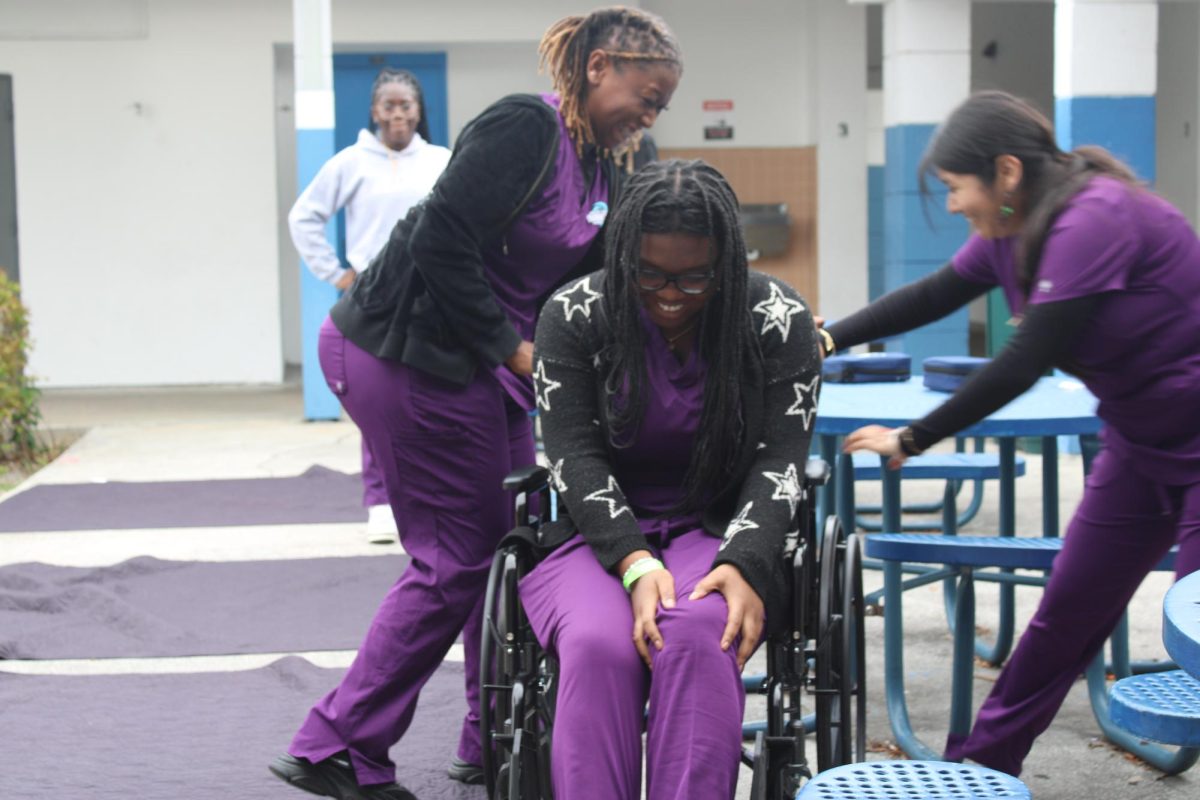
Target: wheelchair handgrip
{"points": [[817, 472], [527, 479]]}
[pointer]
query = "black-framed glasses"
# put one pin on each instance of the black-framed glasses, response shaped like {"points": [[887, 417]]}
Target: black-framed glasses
{"points": [[652, 280]]}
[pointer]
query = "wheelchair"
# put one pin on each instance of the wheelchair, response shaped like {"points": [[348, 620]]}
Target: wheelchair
{"points": [[819, 652]]}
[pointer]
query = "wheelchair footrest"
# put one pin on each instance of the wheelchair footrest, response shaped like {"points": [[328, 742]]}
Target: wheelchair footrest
{"points": [[912, 780], [1161, 706], [1015, 552]]}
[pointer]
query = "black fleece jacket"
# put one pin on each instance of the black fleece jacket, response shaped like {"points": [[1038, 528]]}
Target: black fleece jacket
{"points": [[755, 512], [426, 300]]}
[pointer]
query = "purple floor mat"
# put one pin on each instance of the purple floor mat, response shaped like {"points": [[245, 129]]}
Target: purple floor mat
{"points": [[196, 736], [318, 495], [148, 607]]}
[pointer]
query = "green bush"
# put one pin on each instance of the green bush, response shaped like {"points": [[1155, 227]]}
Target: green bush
{"points": [[19, 413]]}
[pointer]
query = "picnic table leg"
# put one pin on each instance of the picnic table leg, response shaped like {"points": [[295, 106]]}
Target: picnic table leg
{"points": [[893, 653], [996, 653], [844, 475], [891, 496], [976, 494], [964, 656], [827, 494], [1050, 486], [1089, 448]]}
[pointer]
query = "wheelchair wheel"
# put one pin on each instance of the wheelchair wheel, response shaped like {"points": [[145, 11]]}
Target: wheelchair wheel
{"points": [[840, 665], [496, 682], [516, 690]]}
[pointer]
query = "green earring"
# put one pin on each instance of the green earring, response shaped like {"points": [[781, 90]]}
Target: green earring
{"points": [[1006, 212]]}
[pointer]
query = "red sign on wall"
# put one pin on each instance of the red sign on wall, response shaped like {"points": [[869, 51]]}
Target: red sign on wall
{"points": [[718, 119]]}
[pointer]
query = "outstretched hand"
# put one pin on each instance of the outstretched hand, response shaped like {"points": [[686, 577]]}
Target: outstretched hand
{"points": [[877, 439], [746, 613]]}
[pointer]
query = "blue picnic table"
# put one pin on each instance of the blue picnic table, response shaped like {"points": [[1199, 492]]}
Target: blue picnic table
{"points": [[1181, 624]]}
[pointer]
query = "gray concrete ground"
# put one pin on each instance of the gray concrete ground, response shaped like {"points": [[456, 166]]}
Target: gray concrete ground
{"points": [[158, 434]]}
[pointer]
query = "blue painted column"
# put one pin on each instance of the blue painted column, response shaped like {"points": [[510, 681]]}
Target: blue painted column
{"points": [[875, 168], [313, 50], [926, 73], [1106, 77]]}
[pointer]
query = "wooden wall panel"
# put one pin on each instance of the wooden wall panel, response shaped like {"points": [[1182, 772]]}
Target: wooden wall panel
{"points": [[774, 175]]}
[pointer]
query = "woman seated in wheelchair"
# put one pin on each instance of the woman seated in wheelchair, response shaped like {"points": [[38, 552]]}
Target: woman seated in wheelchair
{"points": [[678, 391]]}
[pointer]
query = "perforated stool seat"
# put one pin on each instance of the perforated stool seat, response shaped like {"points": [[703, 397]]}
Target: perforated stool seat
{"points": [[912, 780], [1162, 706]]}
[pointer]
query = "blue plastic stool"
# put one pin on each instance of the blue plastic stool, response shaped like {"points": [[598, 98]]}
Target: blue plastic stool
{"points": [[1163, 706], [912, 780]]}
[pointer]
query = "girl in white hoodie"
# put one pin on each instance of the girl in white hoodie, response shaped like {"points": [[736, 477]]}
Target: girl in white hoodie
{"points": [[376, 180]]}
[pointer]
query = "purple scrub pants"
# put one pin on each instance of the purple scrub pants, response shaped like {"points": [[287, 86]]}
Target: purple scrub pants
{"points": [[693, 732], [452, 446], [374, 488], [1122, 528]]}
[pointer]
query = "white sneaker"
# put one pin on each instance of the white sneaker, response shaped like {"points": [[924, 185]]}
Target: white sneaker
{"points": [[381, 525]]}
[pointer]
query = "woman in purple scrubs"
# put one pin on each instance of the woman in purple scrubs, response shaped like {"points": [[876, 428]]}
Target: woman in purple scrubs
{"points": [[430, 352], [1104, 279], [677, 391]]}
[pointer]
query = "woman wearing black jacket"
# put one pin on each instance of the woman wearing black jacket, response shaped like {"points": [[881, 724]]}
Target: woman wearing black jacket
{"points": [[431, 354]]}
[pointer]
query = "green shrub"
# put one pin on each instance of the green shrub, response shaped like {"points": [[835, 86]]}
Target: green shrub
{"points": [[19, 413]]}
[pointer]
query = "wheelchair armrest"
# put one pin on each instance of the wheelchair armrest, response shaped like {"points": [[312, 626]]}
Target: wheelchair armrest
{"points": [[816, 472], [527, 479]]}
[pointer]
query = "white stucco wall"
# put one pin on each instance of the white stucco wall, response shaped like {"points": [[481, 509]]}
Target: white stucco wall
{"points": [[145, 180], [754, 52], [146, 169], [1178, 106]]}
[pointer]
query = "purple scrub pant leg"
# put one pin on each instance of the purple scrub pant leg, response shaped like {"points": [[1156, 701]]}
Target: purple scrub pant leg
{"points": [[452, 445], [695, 691], [1122, 528], [374, 488]]}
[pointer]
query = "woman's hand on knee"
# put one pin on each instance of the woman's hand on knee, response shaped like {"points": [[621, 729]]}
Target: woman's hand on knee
{"points": [[746, 613], [650, 590]]}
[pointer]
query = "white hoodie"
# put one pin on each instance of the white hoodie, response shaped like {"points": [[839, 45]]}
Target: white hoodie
{"points": [[376, 185]]}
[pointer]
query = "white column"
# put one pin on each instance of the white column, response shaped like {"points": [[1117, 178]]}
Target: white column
{"points": [[1106, 76], [313, 48], [839, 44], [926, 73]]}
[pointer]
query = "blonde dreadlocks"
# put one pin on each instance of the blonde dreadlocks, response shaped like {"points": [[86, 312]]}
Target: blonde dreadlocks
{"points": [[624, 34]]}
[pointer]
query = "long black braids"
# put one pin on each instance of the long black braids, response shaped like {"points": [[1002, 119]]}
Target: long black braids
{"points": [[681, 197], [393, 75]]}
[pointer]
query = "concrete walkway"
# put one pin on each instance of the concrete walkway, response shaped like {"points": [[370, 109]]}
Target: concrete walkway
{"points": [[210, 433]]}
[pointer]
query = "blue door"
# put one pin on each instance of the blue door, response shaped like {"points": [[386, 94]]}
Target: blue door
{"points": [[353, 75]]}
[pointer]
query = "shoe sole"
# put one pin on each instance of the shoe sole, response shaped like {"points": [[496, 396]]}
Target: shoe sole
{"points": [[305, 783]]}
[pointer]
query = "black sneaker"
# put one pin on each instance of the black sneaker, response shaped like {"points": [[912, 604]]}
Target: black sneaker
{"points": [[465, 772], [333, 777]]}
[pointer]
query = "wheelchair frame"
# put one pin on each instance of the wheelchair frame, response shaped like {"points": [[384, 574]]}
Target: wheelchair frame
{"points": [[820, 652]]}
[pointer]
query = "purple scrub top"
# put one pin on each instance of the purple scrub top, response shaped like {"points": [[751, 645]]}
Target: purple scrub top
{"points": [[651, 470], [1140, 352], [545, 243]]}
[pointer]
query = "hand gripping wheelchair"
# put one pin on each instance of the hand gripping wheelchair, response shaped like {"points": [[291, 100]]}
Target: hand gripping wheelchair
{"points": [[820, 651]]}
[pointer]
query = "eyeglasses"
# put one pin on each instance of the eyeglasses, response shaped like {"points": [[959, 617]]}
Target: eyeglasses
{"points": [[652, 280]]}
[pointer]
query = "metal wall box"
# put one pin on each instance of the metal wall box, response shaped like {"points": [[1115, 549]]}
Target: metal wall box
{"points": [[767, 228]]}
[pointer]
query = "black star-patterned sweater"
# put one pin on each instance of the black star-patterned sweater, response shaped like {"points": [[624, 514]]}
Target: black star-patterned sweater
{"points": [[752, 515]]}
